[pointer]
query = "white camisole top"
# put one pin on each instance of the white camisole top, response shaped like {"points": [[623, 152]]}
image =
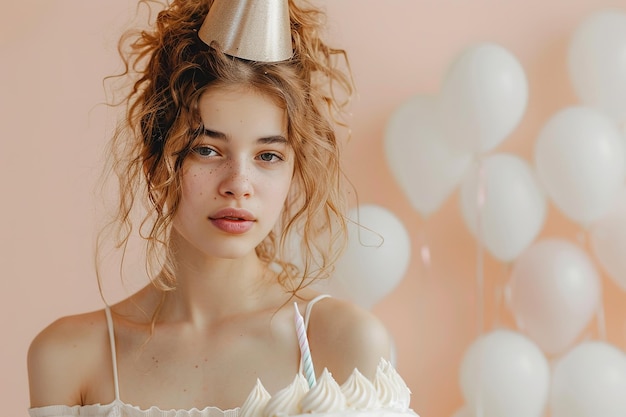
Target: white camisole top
{"points": [[118, 408]]}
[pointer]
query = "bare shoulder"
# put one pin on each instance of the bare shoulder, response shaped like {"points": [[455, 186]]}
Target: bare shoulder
{"points": [[344, 336], [63, 356]]}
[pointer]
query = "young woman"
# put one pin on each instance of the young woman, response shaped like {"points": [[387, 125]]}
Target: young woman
{"points": [[236, 160]]}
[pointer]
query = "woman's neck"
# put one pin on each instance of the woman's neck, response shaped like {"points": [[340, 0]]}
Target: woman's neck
{"points": [[209, 289]]}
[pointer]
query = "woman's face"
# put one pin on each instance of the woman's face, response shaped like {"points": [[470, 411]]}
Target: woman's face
{"points": [[236, 179]]}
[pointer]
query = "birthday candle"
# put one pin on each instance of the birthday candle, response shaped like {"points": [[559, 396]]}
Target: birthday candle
{"points": [[305, 352]]}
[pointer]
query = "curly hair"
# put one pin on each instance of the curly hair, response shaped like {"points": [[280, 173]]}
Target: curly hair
{"points": [[170, 68]]}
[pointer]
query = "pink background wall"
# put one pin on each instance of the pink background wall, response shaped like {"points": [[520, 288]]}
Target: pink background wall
{"points": [[53, 128]]}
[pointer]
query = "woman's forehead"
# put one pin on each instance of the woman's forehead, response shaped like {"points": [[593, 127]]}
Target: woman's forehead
{"points": [[271, 93], [243, 110]]}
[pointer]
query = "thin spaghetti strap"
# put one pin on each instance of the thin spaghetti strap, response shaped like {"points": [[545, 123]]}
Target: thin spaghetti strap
{"points": [[107, 311], [307, 315], [309, 307]]}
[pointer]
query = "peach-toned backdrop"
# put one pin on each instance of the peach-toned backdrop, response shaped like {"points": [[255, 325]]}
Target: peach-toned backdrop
{"points": [[54, 55]]}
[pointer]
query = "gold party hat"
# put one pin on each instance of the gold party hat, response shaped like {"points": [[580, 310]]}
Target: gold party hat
{"points": [[256, 30]]}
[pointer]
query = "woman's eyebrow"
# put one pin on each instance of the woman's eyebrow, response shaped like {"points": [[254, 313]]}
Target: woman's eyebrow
{"points": [[265, 139], [214, 134], [273, 139]]}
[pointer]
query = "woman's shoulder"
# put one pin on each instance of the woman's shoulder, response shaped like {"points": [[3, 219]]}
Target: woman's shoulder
{"points": [[345, 316], [344, 336], [69, 331], [63, 355]]}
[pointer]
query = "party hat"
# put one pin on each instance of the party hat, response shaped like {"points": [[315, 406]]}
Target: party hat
{"points": [[256, 30]]}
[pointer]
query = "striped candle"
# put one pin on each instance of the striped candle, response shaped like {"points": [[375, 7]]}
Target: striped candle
{"points": [[305, 360]]}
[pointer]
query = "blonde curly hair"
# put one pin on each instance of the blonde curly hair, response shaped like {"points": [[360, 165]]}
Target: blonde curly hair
{"points": [[170, 68]]}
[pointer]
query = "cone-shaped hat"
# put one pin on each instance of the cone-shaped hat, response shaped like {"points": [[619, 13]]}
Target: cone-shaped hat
{"points": [[256, 30]]}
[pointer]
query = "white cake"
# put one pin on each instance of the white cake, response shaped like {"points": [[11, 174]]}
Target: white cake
{"points": [[387, 396]]}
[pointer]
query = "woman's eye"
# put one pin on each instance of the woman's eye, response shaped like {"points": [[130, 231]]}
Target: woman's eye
{"points": [[269, 157], [204, 151]]}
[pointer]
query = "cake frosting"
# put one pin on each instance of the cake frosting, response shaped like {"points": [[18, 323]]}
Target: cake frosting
{"points": [[324, 397], [256, 402], [386, 396], [286, 402], [360, 393]]}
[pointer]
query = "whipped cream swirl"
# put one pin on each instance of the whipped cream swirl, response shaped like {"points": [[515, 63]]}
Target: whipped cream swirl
{"points": [[403, 393], [360, 393], [256, 401], [286, 402], [324, 397], [386, 389]]}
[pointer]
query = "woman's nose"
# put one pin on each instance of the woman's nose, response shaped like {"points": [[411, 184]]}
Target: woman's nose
{"points": [[237, 181]]}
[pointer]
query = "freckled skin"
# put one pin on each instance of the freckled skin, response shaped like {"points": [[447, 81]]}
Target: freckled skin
{"points": [[235, 174]]}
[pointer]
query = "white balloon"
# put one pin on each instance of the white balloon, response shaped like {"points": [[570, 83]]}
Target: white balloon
{"points": [[580, 161], [608, 241], [483, 97], [424, 165], [377, 256], [514, 207], [554, 292], [589, 381], [505, 374], [597, 62]]}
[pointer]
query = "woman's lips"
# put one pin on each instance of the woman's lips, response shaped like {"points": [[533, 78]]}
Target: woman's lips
{"points": [[233, 220], [234, 226]]}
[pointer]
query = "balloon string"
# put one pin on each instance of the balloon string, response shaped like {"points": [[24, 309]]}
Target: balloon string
{"points": [[425, 255], [600, 316], [481, 195], [601, 320], [424, 251], [480, 273], [501, 295]]}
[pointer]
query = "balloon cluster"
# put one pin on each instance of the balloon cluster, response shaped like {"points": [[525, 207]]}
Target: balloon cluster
{"points": [[436, 144]]}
